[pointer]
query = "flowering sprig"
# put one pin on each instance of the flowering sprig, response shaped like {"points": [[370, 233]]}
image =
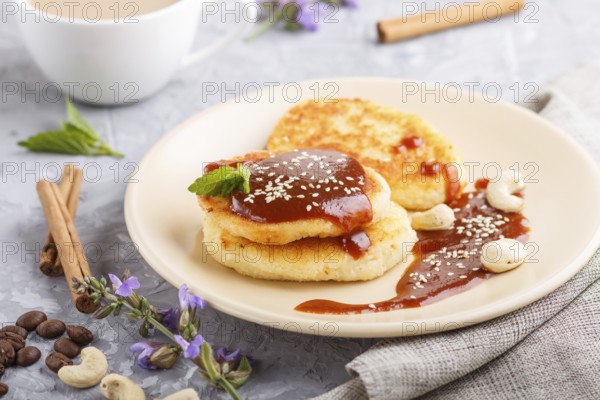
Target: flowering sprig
{"points": [[180, 325], [296, 15]]}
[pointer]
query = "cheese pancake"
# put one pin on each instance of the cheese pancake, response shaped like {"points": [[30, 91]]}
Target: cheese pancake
{"points": [[218, 210], [420, 165], [315, 259]]}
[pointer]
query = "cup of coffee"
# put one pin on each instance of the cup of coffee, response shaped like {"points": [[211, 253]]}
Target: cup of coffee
{"points": [[118, 51]]}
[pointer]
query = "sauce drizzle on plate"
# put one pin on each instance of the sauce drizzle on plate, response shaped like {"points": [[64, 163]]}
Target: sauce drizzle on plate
{"points": [[446, 262]]}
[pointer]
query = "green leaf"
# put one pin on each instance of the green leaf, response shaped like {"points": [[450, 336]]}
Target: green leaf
{"points": [[222, 181], [245, 174], [76, 119], [244, 365], [238, 377], [75, 137], [92, 139], [209, 363], [104, 312], [65, 142]]}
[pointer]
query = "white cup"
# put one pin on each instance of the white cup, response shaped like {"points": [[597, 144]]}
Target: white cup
{"points": [[118, 62]]}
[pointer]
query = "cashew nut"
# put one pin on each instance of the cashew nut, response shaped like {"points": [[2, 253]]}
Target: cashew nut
{"points": [[185, 394], [87, 374], [500, 193], [437, 218], [502, 255], [119, 387]]}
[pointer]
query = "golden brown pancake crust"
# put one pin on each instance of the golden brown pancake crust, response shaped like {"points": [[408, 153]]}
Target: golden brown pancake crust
{"points": [[372, 134], [315, 259]]}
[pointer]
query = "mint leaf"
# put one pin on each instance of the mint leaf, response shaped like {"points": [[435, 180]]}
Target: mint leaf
{"points": [[75, 137], [222, 181], [76, 119], [244, 172], [65, 142]]}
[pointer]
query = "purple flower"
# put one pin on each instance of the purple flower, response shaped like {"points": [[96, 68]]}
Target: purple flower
{"points": [[145, 351], [170, 318], [126, 288], [350, 3], [223, 357], [308, 14], [186, 299], [191, 349]]}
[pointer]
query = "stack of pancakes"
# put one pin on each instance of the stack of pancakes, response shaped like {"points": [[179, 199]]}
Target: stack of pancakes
{"points": [[311, 249]]}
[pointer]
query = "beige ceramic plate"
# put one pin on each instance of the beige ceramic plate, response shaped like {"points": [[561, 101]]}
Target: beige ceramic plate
{"points": [[164, 219]]}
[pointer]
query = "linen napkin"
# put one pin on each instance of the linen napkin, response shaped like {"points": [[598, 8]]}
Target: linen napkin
{"points": [[547, 350]]}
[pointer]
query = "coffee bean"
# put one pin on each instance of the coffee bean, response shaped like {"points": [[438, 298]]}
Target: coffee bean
{"points": [[7, 353], [67, 347], [28, 356], [16, 341], [80, 335], [56, 361], [30, 320], [15, 329], [3, 389], [51, 329]]}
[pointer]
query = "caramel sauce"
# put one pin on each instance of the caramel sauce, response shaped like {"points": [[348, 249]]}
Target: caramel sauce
{"points": [[430, 167], [449, 173], [446, 262], [452, 180], [356, 244], [409, 143], [306, 184], [481, 183], [218, 164]]}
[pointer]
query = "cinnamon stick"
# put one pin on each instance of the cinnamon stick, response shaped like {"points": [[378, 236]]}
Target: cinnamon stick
{"points": [[68, 244], [391, 30], [70, 185]]}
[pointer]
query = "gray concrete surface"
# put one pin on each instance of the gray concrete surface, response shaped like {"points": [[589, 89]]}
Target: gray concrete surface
{"points": [[557, 36]]}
